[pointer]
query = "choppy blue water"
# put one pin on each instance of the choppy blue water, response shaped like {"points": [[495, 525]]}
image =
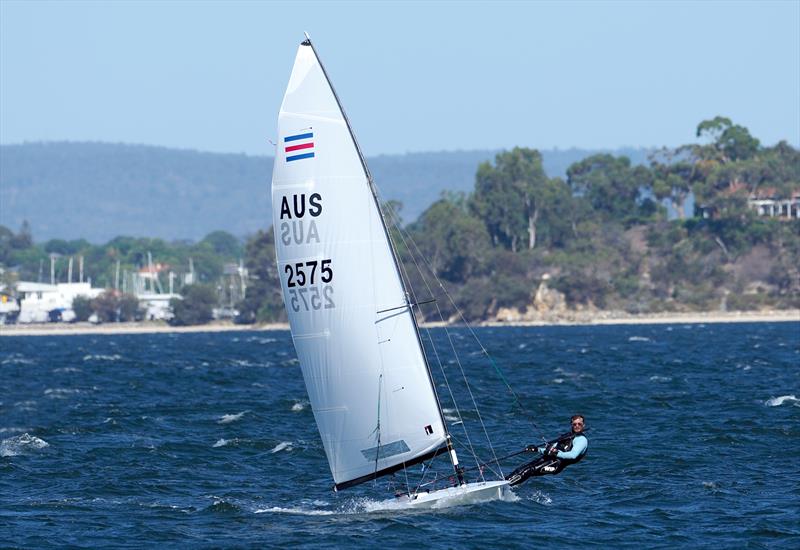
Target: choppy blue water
{"points": [[208, 439]]}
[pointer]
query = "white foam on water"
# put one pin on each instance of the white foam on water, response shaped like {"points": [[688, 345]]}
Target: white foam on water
{"points": [[17, 359], [639, 339], [67, 369], [101, 357], [522, 346], [243, 363], [450, 418], [448, 411], [541, 498], [60, 393], [558, 380], [260, 340], [778, 401], [25, 405], [656, 378], [282, 446], [299, 511], [228, 418], [221, 443], [21, 444], [299, 406]]}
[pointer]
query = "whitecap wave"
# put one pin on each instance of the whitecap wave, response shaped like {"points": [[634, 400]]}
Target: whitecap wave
{"points": [[299, 406], [101, 357], [282, 446], [639, 339], [60, 393], [221, 443], [657, 378], [21, 444], [778, 401], [67, 369], [541, 498], [243, 363], [17, 359], [300, 511], [228, 418], [261, 340]]}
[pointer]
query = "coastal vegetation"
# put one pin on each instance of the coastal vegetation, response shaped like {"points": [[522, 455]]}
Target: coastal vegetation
{"points": [[681, 233]]}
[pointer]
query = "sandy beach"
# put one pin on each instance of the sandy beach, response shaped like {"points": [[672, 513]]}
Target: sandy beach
{"points": [[597, 318]]}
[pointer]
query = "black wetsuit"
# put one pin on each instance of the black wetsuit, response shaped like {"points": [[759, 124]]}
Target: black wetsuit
{"points": [[548, 464]]}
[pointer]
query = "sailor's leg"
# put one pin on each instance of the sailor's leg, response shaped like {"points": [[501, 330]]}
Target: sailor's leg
{"points": [[553, 466], [525, 471]]}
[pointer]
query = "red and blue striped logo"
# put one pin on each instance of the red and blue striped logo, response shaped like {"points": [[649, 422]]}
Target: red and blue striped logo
{"points": [[299, 146]]}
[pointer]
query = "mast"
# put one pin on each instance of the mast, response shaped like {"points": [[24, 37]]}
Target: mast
{"points": [[395, 257]]}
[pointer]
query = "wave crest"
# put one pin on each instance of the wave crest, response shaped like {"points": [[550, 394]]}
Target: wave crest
{"points": [[778, 401], [21, 444]]}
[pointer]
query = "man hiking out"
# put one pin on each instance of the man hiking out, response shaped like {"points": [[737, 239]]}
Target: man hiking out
{"points": [[556, 455]]}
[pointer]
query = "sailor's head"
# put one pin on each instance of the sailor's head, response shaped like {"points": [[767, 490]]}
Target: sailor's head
{"points": [[577, 422]]}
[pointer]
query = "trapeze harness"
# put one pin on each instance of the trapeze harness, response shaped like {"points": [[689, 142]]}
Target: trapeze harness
{"points": [[548, 464]]}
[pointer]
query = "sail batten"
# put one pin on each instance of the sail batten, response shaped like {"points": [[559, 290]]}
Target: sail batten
{"points": [[338, 270]]}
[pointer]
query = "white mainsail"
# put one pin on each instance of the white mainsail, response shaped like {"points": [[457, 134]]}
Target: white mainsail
{"points": [[361, 358]]}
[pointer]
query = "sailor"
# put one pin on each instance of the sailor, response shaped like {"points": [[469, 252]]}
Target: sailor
{"points": [[556, 455]]}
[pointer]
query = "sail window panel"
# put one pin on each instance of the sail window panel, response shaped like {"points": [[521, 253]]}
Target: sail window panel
{"points": [[386, 451]]}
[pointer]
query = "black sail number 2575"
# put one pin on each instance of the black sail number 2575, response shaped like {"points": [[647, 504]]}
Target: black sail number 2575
{"points": [[308, 273], [305, 293]]}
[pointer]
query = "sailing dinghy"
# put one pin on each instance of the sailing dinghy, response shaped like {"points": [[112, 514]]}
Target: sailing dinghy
{"points": [[352, 321]]}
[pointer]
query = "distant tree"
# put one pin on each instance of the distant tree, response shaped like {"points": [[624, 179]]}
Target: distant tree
{"points": [[24, 238], [196, 306], [57, 246], [455, 243], [223, 244], [129, 309], [82, 306], [263, 301], [510, 196], [106, 306], [6, 236], [674, 176], [610, 184], [729, 142], [114, 306]]}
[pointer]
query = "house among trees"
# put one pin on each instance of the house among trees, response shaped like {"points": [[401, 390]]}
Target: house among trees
{"points": [[768, 202]]}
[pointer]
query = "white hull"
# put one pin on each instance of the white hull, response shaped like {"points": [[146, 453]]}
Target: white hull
{"points": [[471, 493]]}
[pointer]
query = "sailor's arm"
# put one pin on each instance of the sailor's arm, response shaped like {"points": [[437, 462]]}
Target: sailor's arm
{"points": [[579, 445]]}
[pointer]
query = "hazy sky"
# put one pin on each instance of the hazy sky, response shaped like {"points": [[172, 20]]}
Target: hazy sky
{"points": [[412, 76]]}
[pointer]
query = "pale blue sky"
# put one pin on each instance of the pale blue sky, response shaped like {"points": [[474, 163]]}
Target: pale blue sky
{"points": [[412, 76]]}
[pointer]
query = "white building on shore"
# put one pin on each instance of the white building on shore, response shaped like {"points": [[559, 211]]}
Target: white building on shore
{"points": [[38, 300]]}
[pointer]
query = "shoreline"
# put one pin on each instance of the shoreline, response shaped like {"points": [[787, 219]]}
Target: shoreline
{"points": [[597, 319]]}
